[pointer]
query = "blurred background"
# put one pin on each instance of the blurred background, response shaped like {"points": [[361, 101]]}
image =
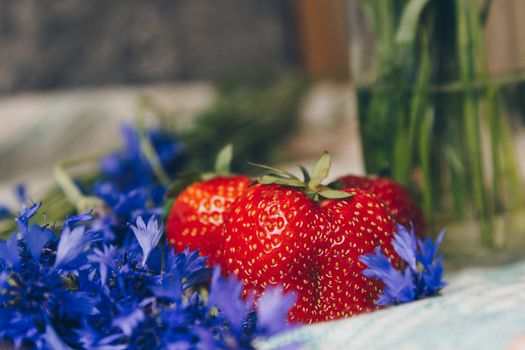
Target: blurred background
{"points": [[72, 71], [428, 92]]}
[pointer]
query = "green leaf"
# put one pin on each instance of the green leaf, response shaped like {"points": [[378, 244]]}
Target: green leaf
{"points": [[306, 175], [275, 170], [270, 179], [334, 194], [224, 159], [320, 171], [407, 29]]}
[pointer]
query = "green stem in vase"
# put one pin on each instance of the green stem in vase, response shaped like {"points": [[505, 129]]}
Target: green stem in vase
{"points": [[471, 114]]}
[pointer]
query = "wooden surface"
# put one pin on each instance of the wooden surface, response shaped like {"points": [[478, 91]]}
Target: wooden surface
{"points": [[322, 33], [505, 36]]}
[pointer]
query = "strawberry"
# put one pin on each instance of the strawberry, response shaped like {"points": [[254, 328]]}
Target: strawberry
{"points": [[197, 214], [308, 238], [401, 206]]}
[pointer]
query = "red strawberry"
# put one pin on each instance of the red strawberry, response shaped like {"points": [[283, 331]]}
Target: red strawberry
{"points": [[402, 207], [197, 214], [308, 238]]}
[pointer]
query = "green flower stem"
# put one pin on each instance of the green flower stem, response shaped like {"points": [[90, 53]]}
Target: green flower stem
{"points": [[421, 124], [146, 147], [425, 144], [71, 190], [514, 77], [467, 33], [431, 107]]}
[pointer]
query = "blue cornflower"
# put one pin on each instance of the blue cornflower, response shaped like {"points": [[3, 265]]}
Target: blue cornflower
{"points": [[225, 294], [53, 340], [133, 314], [124, 207], [181, 272], [168, 149], [128, 185], [35, 296], [272, 311], [122, 203], [32, 297], [189, 265], [244, 322], [82, 217], [131, 281], [95, 285], [119, 273], [128, 322], [147, 236], [106, 259], [21, 193], [128, 169], [36, 238], [8, 251], [73, 244], [25, 215], [422, 277]]}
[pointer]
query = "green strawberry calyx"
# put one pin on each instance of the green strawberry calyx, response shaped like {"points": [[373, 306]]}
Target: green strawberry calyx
{"points": [[311, 184]]}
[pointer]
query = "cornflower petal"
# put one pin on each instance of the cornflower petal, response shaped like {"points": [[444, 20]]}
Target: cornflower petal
{"points": [[412, 283], [73, 242], [129, 322], [36, 238], [53, 339], [82, 217], [9, 251], [272, 310], [105, 258], [404, 244], [147, 236], [25, 215], [226, 296]]}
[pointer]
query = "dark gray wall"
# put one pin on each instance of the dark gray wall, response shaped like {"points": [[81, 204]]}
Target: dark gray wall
{"points": [[47, 44]]}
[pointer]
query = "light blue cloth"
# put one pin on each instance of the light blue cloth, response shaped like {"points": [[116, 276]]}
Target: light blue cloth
{"points": [[480, 309]]}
